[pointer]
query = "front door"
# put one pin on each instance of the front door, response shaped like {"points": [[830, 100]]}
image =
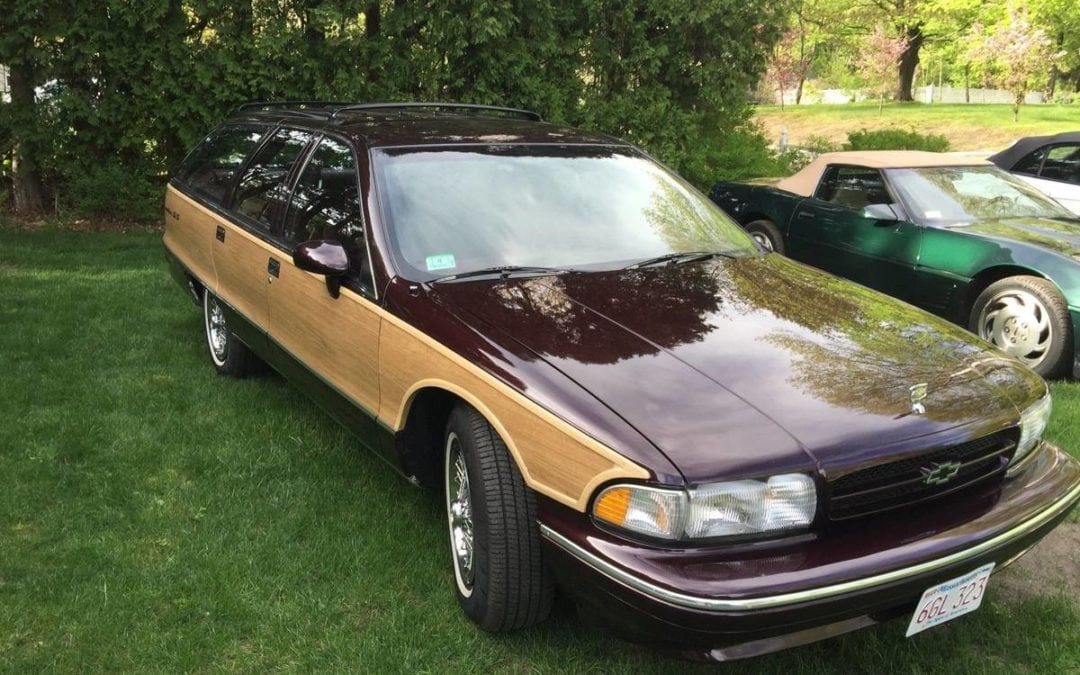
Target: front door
{"points": [[831, 231], [336, 339]]}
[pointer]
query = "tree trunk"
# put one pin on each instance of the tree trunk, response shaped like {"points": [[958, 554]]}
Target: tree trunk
{"points": [[798, 90], [372, 20], [909, 60], [27, 181]]}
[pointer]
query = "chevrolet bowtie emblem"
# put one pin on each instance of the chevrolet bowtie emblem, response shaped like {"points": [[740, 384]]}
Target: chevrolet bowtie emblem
{"points": [[939, 473], [918, 394]]}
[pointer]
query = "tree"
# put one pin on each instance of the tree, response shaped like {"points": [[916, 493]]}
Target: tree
{"points": [[878, 57], [788, 66], [1014, 53]]}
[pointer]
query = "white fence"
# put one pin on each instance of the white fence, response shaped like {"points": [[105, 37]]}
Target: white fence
{"points": [[927, 94], [932, 94]]}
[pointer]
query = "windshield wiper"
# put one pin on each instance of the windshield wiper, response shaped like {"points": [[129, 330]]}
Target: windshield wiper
{"points": [[678, 259], [502, 272]]}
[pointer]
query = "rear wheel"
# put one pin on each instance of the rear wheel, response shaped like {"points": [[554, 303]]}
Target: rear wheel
{"points": [[229, 355], [499, 575], [767, 235], [1027, 318]]}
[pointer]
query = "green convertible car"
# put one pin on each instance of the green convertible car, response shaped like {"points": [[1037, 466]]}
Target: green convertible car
{"points": [[953, 235]]}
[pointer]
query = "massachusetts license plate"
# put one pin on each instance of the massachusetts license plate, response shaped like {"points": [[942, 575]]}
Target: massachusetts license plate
{"points": [[949, 600]]}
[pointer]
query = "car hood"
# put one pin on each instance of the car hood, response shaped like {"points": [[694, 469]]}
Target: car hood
{"points": [[1053, 234], [752, 366]]}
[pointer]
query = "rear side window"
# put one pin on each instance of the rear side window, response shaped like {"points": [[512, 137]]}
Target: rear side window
{"points": [[852, 187], [263, 187], [326, 204], [210, 168], [1030, 164], [1062, 163]]}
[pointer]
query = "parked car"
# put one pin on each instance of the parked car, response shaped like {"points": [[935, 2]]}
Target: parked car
{"points": [[1050, 163], [712, 449], [953, 235]]}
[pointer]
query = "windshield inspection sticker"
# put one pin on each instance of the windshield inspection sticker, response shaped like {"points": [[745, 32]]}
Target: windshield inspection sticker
{"points": [[441, 262]]}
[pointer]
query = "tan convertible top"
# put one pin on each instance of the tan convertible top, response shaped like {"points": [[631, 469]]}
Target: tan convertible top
{"points": [[806, 180]]}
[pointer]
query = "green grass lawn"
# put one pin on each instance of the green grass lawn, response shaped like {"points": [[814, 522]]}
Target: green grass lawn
{"points": [[968, 127], [157, 518]]}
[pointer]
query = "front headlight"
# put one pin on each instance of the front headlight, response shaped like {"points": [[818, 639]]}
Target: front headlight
{"points": [[1033, 423], [783, 502]]}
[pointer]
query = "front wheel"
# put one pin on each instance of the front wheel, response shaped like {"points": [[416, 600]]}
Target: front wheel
{"points": [[1027, 318], [501, 581]]}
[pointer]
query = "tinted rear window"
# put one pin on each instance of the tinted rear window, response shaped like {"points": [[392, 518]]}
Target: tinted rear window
{"points": [[212, 165]]}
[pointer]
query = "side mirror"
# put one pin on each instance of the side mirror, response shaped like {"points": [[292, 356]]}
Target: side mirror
{"points": [[880, 213], [328, 258]]}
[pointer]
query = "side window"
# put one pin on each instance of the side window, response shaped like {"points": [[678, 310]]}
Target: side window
{"points": [[852, 187], [326, 205], [212, 165], [263, 185], [1030, 164], [1062, 163]]}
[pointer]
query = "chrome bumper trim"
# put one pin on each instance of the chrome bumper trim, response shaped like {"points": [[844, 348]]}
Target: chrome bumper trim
{"points": [[769, 601]]}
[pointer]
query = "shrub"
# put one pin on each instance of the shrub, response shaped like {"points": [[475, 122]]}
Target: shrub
{"points": [[114, 191], [895, 139]]}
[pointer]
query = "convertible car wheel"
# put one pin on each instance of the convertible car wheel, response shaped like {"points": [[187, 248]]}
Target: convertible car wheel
{"points": [[1027, 318], [501, 581], [229, 355], [767, 235]]}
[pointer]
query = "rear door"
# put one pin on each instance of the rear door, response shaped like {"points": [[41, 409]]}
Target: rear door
{"points": [[195, 211], [336, 339], [830, 231], [242, 249]]}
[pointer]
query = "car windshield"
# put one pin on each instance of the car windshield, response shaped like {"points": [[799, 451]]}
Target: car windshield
{"points": [[450, 211], [963, 194]]}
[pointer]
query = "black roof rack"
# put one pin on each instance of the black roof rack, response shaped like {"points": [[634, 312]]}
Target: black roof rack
{"points": [[331, 109], [307, 108], [467, 107]]}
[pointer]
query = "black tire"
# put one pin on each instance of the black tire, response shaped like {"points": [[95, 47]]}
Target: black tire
{"points": [[1026, 317], [228, 354], [507, 586], [767, 235]]}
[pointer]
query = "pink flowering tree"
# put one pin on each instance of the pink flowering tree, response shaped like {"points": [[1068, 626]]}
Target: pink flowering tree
{"points": [[1015, 55], [878, 57], [789, 64]]}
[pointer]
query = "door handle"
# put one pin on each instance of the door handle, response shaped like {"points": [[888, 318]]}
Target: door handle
{"points": [[804, 214], [273, 268], [220, 233]]}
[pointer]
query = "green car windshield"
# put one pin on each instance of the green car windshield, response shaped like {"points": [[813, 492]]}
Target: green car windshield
{"points": [[957, 195], [453, 210]]}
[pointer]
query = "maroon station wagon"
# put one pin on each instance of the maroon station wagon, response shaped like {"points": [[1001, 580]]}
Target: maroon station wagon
{"points": [[712, 448]]}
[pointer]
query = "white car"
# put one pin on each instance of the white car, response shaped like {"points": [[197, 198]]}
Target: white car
{"points": [[1050, 163]]}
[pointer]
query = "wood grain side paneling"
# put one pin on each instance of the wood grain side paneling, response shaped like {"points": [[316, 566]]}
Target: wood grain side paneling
{"points": [[336, 338], [189, 234], [243, 282], [555, 458], [380, 362]]}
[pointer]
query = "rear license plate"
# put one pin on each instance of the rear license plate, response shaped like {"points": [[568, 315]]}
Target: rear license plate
{"points": [[949, 600]]}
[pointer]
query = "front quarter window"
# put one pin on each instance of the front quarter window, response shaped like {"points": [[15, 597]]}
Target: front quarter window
{"points": [[454, 210]]}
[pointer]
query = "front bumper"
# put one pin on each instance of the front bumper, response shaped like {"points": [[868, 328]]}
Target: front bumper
{"points": [[740, 601], [1074, 315]]}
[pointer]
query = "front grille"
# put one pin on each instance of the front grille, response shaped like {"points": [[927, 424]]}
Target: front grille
{"points": [[904, 482]]}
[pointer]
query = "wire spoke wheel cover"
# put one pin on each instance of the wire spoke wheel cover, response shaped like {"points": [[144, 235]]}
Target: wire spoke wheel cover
{"points": [[217, 333], [459, 514]]}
